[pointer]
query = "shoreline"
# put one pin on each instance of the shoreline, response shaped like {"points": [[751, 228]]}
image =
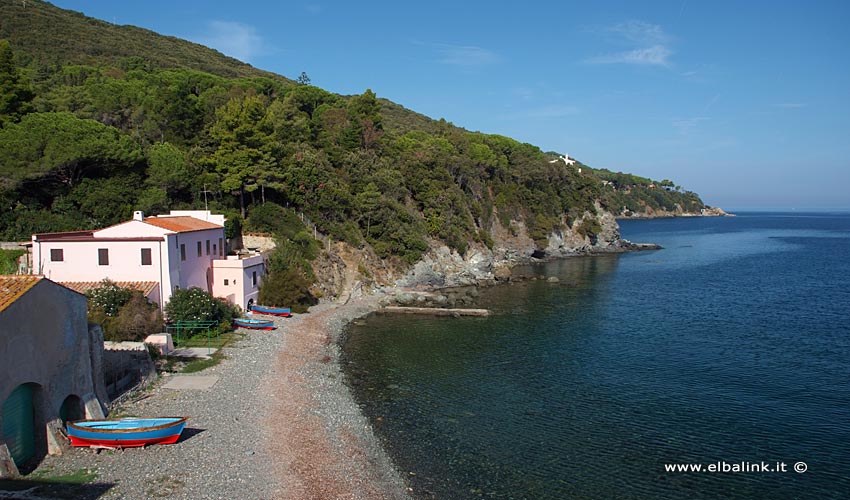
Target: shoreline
{"points": [[279, 422], [324, 445]]}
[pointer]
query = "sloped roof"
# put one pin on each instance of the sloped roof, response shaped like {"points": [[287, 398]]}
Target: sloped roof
{"points": [[181, 223], [146, 287], [66, 236], [12, 287]]}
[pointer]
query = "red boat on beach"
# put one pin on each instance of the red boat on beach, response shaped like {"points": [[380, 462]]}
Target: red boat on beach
{"points": [[126, 432]]}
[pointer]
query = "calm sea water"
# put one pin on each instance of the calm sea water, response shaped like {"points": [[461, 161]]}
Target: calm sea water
{"points": [[731, 344]]}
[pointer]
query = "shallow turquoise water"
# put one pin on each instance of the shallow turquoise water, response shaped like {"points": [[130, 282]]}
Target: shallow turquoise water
{"points": [[731, 344]]}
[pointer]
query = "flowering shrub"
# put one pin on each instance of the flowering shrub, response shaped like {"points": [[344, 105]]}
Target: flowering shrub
{"points": [[109, 298], [195, 304], [124, 314]]}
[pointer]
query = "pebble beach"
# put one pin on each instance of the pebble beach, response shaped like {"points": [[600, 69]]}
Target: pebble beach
{"points": [[278, 423]]}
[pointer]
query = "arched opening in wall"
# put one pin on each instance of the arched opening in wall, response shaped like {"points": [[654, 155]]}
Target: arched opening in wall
{"points": [[72, 409], [24, 426], [250, 304]]}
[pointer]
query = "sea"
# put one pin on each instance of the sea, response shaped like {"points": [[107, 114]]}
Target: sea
{"points": [[715, 368]]}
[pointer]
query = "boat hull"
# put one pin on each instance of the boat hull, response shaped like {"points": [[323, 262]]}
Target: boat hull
{"points": [[254, 324], [284, 312], [126, 433]]}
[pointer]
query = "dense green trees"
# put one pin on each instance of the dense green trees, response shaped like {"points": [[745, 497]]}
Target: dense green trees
{"points": [[15, 93], [83, 145]]}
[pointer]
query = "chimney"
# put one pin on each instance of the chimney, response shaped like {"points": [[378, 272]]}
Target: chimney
{"points": [[138, 215]]}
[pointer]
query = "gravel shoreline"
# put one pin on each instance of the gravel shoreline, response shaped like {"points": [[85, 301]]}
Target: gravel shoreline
{"points": [[279, 423], [324, 444]]}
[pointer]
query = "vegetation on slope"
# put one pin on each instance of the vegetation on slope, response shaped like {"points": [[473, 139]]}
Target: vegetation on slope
{"points": [[54, 38], [123, 119]]}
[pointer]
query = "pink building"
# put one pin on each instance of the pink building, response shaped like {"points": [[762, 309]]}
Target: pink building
{"points": [[174, 251], [238, 279]]}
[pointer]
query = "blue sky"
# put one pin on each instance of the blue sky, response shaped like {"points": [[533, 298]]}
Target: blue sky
{"points": [[746, 103]]}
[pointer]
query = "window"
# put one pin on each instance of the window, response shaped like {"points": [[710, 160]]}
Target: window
{"points": [[103, 256], [226, 282], [182, 251], [220, 248], [208, 247], [146, 256], [57, 255], [214, 251], [254, 279], [199, 249]]}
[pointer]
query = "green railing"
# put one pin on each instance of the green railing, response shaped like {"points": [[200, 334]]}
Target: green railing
{"points": [[194, 333]]}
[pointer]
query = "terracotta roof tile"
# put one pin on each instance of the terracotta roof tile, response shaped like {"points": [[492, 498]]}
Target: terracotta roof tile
{"points": [[146, 287], [12, 287], [181, 223]]}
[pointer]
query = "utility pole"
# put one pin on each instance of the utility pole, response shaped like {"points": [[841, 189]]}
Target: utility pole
{"points": [[205, 196]]}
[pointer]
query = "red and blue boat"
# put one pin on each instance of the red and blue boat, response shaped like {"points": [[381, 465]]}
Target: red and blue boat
{"points": [[126, 432], [272, 311], [254, 324]]}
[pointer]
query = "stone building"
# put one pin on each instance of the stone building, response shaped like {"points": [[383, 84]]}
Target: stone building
{"points": [[50, 368]]}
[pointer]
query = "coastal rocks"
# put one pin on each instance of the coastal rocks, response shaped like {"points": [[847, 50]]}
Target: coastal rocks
{"points": [[628, 246], [442, 267], [511, 243], [447, 298], [610, 233], [502, 273], [595, 232], [659, 213], [570, 242], [715, 212], [553, 279], [260, 242], [332, 275]]}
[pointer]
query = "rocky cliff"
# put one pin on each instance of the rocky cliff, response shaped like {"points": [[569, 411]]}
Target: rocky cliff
{"points": [[345, 272], [653, 213]]}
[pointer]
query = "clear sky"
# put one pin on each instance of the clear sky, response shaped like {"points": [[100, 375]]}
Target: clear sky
{"points": [[744, 102]]}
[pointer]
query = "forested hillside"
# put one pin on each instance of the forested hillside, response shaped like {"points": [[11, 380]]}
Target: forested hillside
{"points": [[98, 120]]}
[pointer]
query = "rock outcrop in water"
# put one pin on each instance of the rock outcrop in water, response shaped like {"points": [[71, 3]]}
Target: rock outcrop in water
{"points": [[652, 213], [442, 267]]}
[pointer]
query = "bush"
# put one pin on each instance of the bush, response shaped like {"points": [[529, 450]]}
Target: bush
{"points": [[273, 218], [124, 314], [287, 288], [9, 261], [137, 319], [195, 304], [109, 298], [589, 227]]}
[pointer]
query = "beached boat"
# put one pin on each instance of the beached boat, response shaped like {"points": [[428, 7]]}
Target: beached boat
{"points": [[254, 324], [273, 311], [126, 432]]}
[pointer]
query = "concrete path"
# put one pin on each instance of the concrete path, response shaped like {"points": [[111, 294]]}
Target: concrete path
{"points": [[193, 352], [192, 382]]}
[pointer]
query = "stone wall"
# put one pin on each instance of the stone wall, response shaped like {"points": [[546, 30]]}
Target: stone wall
{"points": [[126, 365], [45, 341]]}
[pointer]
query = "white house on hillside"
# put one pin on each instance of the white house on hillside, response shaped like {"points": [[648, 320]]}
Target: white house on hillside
{"points": [[155, 254], [566, 159]]}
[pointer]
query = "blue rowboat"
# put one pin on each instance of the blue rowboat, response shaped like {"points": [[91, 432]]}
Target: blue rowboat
{"points": [[126, 432], [273, 311], [254, 324]]}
